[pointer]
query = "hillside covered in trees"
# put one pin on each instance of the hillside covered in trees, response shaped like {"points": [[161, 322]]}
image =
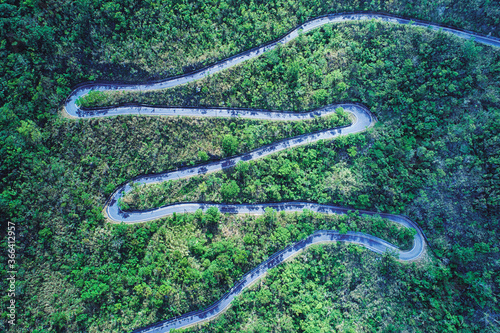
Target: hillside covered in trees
{"points": [[434, 156]]}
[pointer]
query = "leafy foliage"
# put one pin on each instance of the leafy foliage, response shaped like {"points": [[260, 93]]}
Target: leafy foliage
{"points": [[56, 173], [431, 156], [340, 288]]}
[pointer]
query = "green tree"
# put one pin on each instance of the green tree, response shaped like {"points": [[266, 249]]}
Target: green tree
{"points": [[203, 156], [364, 200], [212, 215], [229, 144], [230, 191]]}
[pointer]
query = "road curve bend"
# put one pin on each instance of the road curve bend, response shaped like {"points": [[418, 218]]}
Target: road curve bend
{"points": [[321, 236], [363, 120], [73, 110]]}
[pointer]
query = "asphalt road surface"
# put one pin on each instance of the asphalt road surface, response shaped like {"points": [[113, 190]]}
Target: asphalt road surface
{"points": [[363, 120]]}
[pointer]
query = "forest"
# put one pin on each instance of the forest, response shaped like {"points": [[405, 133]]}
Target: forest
{"points": [[434, 156]]}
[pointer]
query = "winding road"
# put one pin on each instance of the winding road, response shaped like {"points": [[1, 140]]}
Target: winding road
{"points": [[363, 120]]}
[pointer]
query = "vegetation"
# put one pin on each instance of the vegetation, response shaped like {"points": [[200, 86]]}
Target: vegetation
{"points": [[434, 156], [342, 288]]}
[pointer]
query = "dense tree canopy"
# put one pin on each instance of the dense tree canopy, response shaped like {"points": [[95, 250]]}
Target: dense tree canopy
{"points": [[434, 156]]}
